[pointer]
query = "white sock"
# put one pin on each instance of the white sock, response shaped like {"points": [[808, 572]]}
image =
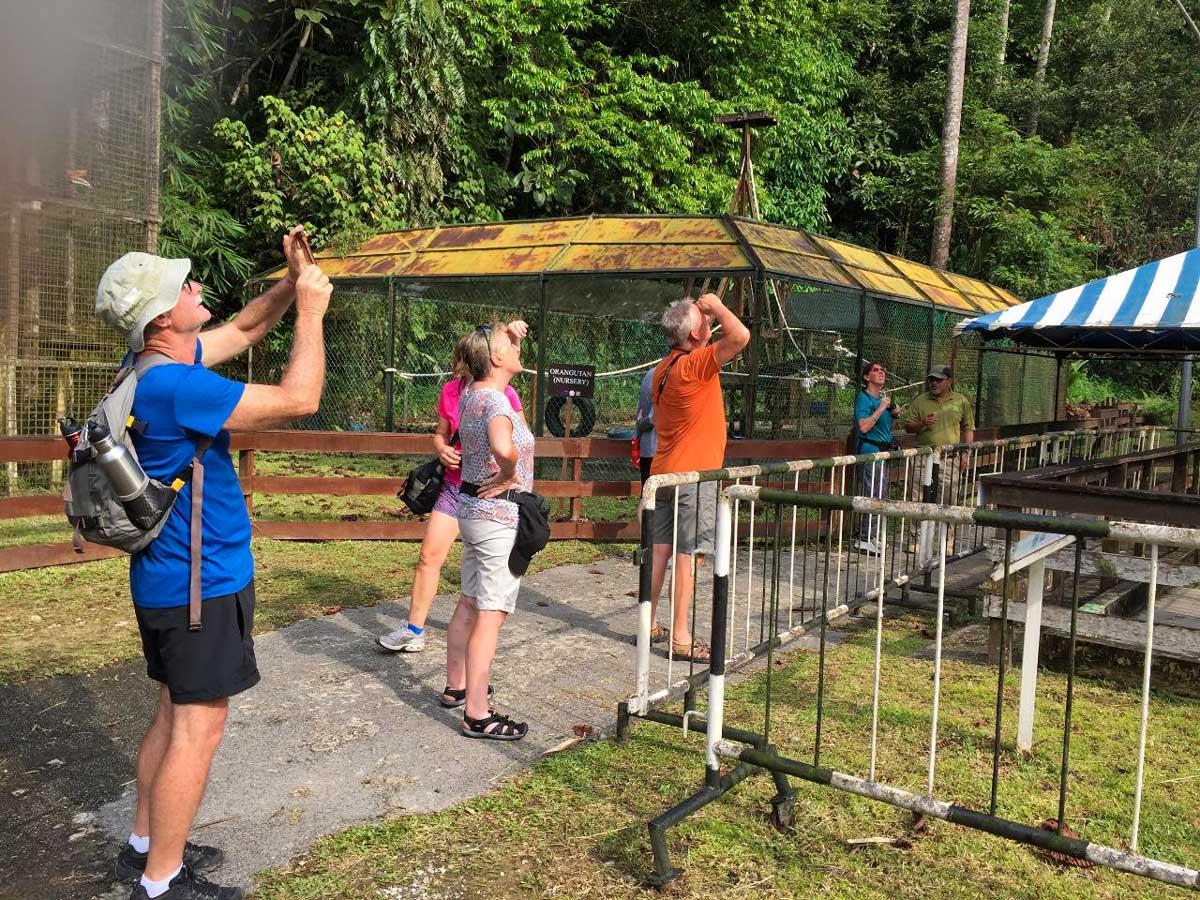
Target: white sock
{"points": [[138, 843], [158, 888]]}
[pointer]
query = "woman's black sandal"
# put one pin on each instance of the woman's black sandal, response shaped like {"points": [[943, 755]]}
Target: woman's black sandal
{"points": [[459, 697], [505, 728]]}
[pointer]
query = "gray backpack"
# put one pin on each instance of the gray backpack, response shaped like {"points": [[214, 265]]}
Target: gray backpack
{"points": [[92, 506]]}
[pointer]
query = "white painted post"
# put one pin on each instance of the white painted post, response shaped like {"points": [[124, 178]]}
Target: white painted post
{"points": [[925, 531], [1029, 655]]}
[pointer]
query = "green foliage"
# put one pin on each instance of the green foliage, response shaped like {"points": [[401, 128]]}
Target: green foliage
{"points": [[309, 166], [392, 113]]}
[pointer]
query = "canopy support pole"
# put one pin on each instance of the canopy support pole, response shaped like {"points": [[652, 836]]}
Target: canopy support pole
{"points": [[1185, 399]]}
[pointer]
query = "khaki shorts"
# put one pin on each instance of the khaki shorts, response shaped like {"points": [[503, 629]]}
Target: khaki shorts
{"points": [[693, 536], [486, 578]]}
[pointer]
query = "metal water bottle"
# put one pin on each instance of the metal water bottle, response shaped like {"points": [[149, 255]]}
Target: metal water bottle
{"points": [[119, 467]]}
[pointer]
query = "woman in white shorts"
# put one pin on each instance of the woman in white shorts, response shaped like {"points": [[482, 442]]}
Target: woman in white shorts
{"points": [[497, 460], [441, 529]]}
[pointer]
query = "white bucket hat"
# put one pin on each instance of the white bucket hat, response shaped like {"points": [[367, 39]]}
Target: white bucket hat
{"points": [[135, 289]]}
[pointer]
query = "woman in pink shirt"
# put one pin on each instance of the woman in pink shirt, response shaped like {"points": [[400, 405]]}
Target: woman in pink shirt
{"points": [[441, 529]]}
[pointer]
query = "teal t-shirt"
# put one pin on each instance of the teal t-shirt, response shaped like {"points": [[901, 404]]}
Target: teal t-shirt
{"points": [[879, 437]]}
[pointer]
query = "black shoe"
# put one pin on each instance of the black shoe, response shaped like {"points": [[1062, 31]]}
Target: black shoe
{"points": [[189, 886], [197, 857]]}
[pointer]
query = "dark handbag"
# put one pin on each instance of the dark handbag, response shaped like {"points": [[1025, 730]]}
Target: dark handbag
{"points": [[423, 484]]}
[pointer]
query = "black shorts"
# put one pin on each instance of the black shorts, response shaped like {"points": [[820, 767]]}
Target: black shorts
{"points": [[215, 662], [644, 464]]}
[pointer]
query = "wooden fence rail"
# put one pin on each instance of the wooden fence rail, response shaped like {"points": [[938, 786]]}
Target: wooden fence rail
{"points": [[574, 451]]}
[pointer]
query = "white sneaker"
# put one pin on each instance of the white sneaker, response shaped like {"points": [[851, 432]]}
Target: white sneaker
{"points": [[402, 640], [867, 547]]}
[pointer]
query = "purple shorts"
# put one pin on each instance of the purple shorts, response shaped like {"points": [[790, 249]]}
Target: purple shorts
{"points": [[447, 501]]}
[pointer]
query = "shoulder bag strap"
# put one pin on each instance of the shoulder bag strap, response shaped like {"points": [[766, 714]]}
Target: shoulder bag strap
{"points": [[194, 598], [663, 384]]}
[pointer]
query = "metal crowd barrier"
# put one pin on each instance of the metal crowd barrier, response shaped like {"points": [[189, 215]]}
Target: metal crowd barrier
{"points": [[754, 750], [822, 559]]}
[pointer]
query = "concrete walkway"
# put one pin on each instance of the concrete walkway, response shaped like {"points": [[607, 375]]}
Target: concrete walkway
{"points": [[337, 733]]}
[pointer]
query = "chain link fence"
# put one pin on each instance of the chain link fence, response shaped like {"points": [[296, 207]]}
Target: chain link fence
{"points": [[390, 349], [78, 188]]}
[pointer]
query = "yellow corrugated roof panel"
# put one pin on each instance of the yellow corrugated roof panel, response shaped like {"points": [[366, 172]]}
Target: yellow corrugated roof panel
{"points": [[504, 235], [499, 261], [858, 257], [653, 230], [801, 265], [789, 251], [888, 284], [680, 257], [776, 237], [613, 245]]}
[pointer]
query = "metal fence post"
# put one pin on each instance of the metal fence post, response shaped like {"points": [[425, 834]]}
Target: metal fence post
{"points": [[389, 371], [539, 418], [932, 336], [979, 384], [720, 623]]}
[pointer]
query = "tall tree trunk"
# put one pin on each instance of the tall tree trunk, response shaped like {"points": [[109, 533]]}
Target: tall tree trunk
{"points": [[951, 125], [1002, 53], [1039, 76]]}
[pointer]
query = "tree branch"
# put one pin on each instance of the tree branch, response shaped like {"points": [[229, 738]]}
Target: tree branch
{"points": [[244, 81], [1191, 23], [291, 72]]}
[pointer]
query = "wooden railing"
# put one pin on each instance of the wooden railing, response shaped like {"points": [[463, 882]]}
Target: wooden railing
{"points": [[574, 452]]}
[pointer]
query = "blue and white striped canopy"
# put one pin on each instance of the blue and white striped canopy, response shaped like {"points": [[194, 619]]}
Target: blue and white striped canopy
{"points": [[1153, 308]]}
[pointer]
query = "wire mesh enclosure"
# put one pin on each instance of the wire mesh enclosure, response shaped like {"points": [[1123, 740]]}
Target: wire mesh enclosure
{"points": [[79, 179], [390, 345]]}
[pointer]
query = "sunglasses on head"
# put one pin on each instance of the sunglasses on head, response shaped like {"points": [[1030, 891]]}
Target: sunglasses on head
{"points": [[486, 331]]}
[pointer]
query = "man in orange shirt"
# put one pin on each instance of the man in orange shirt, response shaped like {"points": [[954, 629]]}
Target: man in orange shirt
{"points": [[689, 416]]}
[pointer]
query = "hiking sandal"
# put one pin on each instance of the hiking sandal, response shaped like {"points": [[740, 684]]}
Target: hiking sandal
{"points": [[494, 728], [691, 653], [458, 697]]}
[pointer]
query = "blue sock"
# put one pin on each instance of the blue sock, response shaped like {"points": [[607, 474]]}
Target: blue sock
{"points": [[414, 629]]}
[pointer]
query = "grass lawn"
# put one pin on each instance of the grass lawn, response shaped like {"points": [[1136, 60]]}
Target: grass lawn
{"points": [[68, 619], [574, 826]]}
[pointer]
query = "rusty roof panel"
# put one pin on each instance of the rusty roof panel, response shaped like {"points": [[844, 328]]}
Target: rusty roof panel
{"points": [[653, 230], [496, 262], [389, 242], [615, 245], [617, 258], [948, 296], [791, 240], [858, 257], [504, 234], [801, 265], [918, 272], [1006, 296], [888, 284]]}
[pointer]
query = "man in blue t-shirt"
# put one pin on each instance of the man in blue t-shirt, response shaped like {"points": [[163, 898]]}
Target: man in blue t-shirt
{"points": [[873, 414], [159, 308]]}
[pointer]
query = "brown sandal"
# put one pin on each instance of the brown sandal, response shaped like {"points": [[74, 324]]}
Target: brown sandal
{"points": [[659, 633], [691, 653]]}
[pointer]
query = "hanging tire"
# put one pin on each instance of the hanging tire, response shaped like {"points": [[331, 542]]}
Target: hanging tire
{"points": [[583, 416]]}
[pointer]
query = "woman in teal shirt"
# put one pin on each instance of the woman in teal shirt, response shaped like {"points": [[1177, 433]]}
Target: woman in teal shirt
{"points": [[874, 413]]}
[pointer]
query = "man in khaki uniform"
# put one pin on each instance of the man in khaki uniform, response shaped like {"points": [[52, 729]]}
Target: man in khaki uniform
{"points": [[939, 417]]}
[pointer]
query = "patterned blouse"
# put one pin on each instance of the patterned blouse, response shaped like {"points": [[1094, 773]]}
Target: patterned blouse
{"points": [[477, 407]]}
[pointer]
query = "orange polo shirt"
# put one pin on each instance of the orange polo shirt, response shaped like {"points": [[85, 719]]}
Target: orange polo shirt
{"points": [[689, 417]]}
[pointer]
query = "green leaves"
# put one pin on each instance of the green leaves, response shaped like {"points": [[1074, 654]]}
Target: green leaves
{"points": [[308, 166]]}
